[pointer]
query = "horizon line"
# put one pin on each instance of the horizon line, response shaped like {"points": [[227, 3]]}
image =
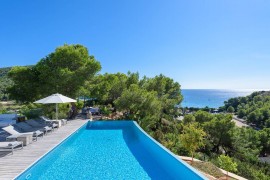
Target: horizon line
{"points": [[241, 89]]}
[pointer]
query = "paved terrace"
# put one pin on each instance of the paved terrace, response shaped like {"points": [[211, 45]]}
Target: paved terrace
{"points": [[13, 165]]}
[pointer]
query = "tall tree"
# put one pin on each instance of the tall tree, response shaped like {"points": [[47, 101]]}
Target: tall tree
{"points": [[5, 82], [66, 70], [219, 131], [167, 90], [189, 118], [202, 116], [264, 136], [108, 87], [25, 87], [63, 71], [246, 144], [140, 105], [192, 138], [230, 109], [132, 78]]}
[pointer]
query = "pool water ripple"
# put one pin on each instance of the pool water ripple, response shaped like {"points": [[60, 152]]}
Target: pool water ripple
{"points": [[97, 153]]}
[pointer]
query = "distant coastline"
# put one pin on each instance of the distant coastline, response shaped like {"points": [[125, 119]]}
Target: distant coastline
{"points": [[212, 98]]}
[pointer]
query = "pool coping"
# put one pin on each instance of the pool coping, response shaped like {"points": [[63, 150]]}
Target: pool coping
{"points": [[53, 147], [137, 125], [171, 153]]}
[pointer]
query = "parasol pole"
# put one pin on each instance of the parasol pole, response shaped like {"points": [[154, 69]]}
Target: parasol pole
{"points": [[56, 111]]}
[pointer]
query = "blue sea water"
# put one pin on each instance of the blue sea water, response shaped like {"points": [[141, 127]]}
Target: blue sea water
{"points": [[213, 98]]}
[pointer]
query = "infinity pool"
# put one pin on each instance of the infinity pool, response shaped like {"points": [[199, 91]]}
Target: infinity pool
{"points": [[110, 150]]}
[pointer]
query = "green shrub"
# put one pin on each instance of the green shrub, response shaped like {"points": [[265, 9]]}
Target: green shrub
{"points": [[49, 110], [251, 171], [105, 110], [61, 115], [32, 113], [3, 111], [79, 104]]}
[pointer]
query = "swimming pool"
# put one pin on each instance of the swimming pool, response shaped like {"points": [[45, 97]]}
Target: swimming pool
{"points": [[110, 150]]}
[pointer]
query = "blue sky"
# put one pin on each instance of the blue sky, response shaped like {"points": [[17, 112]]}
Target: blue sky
{"points": [[199, 43]]}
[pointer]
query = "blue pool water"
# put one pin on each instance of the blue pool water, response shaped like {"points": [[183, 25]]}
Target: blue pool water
{"points": [[110, 150]]}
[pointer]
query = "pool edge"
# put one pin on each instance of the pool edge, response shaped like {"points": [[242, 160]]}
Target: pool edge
{"points": [[193, 170], [168, 151]]}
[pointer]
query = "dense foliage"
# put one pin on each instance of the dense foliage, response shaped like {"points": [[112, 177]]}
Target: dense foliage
{"points": [[225, 162], [254, 108], [146, 100], [5, 82], [151, 102], [63, 71], [4, 71], [192, 138], [242, 145]]}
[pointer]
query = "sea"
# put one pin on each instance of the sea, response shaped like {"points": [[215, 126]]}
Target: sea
{"points": [[212, 98]]}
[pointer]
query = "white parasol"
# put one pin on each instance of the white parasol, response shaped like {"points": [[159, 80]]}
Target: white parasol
{"points": [[55, 99]]}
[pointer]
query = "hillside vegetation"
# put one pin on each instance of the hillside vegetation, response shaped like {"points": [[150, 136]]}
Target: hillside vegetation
{"points": [[5, 82], [72, 71], [255, 108], [4, 71]]}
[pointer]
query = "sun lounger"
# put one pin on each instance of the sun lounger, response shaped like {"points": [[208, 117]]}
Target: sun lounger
{"points": [[62, 121], [47, 123], [35, 124], [7, 119], [27, 128], [53, 123], [9, 146], [15, 133], [24, 127]]}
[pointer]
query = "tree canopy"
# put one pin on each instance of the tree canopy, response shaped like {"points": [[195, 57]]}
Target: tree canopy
{"points": [[63, 71], [254, 108], [5, 82], [107, 87], [192, 138], [151, 102], [145, 100], [227, 163]]}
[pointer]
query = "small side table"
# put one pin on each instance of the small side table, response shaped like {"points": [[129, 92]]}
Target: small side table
{"points": [[25, 138]]}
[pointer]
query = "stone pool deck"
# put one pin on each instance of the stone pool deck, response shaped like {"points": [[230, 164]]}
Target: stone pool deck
{"points": [[13, 165]]}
